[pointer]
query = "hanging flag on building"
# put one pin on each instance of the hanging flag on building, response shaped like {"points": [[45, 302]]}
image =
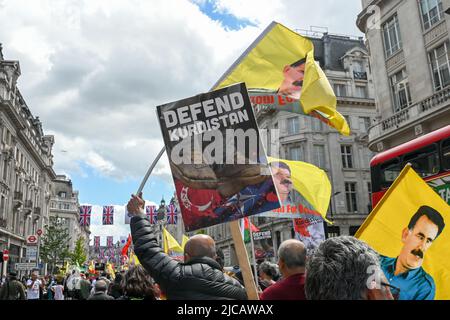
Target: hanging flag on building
{"points": [[109, 241], [408, 229], [152, 214], [85, 215], [108, 215], [281, 63], [123, 240], [97, 241], [172, 214]]}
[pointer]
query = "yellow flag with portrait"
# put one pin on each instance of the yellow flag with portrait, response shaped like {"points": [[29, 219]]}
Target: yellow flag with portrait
{"points": [[281, 61], [408, 229]]}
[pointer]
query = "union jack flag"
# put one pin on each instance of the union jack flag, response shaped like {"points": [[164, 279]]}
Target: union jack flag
{"points": [[111, 253], [109, 241], [172, 214], [152, 214], [85, 215], [108, 215], [101, 255], [97, 241]]}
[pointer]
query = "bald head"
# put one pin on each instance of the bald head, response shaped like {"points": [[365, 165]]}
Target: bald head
{"points": [[100, 286], [292, 253], [200, 245]]}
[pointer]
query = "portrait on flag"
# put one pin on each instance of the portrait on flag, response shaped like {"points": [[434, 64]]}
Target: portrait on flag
{"points": [[281, 63], [408, 229], [108, 215], [216, 156]]}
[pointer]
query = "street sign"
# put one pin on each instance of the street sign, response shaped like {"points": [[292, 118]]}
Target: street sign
{"points": [[32, 240], [31, 253], [39, 232], [5, 255], [24, 266]]}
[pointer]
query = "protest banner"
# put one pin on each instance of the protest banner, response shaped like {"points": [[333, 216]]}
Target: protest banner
{"points": [[407, 228], [216, 156]]}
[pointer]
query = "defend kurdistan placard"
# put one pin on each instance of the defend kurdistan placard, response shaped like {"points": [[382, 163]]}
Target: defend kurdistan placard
{"points": [[216, 156]]}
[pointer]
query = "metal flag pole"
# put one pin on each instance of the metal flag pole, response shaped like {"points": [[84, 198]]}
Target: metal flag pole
{"points": [[253, 251], [149, 171]]}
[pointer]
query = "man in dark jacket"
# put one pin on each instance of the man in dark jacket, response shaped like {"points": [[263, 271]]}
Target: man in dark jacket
{"points": [[13, 289], [200, 277], [100, 291]]}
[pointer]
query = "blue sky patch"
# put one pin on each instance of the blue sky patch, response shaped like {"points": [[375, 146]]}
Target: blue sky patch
{"points": [[229, 21]]}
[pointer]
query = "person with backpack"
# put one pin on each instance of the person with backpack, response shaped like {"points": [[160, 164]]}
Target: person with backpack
{"points": [[12, 289]]}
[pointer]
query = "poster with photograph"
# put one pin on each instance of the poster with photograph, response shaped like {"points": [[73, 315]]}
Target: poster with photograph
{"points": [[217, 158]]}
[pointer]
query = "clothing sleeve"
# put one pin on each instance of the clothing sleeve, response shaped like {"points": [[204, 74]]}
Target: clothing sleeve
{"points": [[21, 289], [159, 265], [427, 290]]}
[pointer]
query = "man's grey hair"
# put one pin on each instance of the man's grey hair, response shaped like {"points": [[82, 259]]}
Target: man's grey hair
{"points": [[269, 268], [339, 269], [292, 253], [101, 286]]}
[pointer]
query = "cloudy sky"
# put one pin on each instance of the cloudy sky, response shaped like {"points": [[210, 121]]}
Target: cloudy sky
{"points": [[93, 71]]}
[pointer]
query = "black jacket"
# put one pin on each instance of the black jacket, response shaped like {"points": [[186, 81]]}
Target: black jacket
{"points": [[198, 279]]}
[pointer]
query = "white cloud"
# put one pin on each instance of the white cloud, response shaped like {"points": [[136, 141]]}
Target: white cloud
{"points": [[93, 70]]}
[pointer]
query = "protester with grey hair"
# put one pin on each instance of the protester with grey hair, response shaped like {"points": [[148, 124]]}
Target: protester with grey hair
{"points": [[291, 261], [345, 268], [267, 273], [100, 291]]}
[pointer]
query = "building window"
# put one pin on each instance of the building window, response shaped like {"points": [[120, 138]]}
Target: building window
{"points": [[333, 231], [293, 125], [361, 92], [347, 158], [62, 194], [400, 90], [364, 124], [319, 155], [391, 36], [66, 206], [340, 90], [296, 153], [432, 12], [440, 66], [316, 125], [350, 197]]}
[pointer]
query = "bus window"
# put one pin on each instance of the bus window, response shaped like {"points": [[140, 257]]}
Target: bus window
{"points": [[446, 154], [424, 161], [390, 171]]}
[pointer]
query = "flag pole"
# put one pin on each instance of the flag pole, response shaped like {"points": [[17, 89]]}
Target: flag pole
{"points": [[149, 171], [253, 252]]}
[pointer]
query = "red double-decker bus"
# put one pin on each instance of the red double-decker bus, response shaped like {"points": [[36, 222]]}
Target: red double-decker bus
{"points": [[429, 156]]}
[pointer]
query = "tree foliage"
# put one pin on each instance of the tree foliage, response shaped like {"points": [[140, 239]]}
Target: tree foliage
{"points": [[79, 256], [55, 243]]}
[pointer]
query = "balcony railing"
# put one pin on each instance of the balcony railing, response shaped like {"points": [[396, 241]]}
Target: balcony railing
{"points": [[402, 118], [359, 75]]}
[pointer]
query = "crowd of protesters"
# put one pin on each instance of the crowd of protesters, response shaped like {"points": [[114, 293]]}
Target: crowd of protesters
{"points": [[341, 268]]}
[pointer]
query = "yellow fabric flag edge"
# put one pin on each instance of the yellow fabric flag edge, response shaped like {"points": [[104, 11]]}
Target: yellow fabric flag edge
{"points": [[374, 212]]}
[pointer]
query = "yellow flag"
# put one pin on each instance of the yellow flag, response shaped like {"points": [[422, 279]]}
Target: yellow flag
{"points": [[185, 240], [170, 243], [311, 182], [405, 228], [282, 61], [133, 260]]}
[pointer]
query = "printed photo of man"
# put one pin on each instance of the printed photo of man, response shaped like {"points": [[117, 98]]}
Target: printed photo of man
{"points": [[406, 271], [282, 180], [293, 79]]}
